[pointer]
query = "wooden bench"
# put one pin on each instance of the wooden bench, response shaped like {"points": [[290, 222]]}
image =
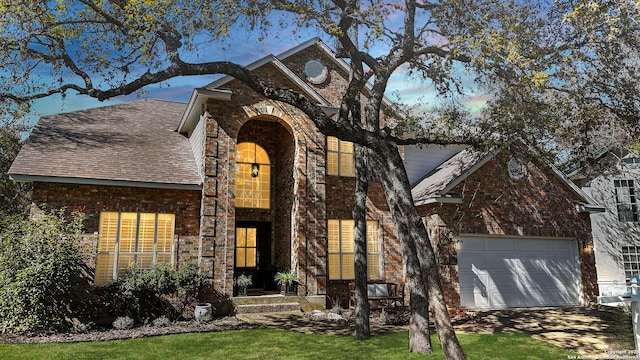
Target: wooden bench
{"points": [[379, 291]]}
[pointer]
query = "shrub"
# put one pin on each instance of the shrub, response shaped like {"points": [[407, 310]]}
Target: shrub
{"points": [[81, 328], [155, 292], [40, 272], [162, 321], [123, 323]]}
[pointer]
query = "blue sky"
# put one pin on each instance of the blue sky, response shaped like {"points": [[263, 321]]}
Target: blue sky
{"points": [[242, 48]]}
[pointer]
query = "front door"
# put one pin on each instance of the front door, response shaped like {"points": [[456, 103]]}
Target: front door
{"points": [[253, 253]]}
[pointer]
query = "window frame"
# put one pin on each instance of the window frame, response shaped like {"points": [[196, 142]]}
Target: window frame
{"points": [[113, 239], [264, 176], [341, 156], [626, 201], [630, 259], [341, 254]]}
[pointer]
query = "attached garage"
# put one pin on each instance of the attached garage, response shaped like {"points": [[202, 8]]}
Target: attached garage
{"points": [[502, 272]]}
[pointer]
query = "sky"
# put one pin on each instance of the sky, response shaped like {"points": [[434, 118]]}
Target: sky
{"points": [[242, 48]]}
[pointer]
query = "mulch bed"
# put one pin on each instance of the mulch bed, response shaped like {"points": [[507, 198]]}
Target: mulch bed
{"points": [[101, 334]]}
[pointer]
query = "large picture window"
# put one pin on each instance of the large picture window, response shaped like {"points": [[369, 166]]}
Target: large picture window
{"points": [[342, 250], [253, 177], [340, 159], [626, 202], [142, 239]]}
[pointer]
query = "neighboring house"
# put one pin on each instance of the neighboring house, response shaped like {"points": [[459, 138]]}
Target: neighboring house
{"points": [[242, 184], [616, 231]]}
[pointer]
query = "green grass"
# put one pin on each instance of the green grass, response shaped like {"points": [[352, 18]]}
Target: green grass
{"points": [[281, 344]]}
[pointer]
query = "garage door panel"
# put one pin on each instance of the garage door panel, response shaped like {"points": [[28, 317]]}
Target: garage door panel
{"points": [[503, 281], [471, 245], [529, 245], [473, 262], [475, 297], [502, 264], [524, 272], [540, 281], [493, 246], [470, 277]]}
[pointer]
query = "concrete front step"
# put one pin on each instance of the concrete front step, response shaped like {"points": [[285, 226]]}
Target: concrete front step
{"points": [[264, 299], [265, 308]]}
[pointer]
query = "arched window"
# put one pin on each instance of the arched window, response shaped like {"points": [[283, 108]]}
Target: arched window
{"points": [[253, 177]]}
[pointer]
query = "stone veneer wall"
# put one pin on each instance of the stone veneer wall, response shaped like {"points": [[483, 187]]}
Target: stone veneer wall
{"points": [[92, 199], [538, 205], [307, 208], [306, 224]]}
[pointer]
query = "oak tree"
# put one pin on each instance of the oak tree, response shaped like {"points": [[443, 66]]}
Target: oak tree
{"points": [[554, 73]]}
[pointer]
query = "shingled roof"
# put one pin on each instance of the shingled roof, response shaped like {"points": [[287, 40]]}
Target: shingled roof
{"points": [[132, 144], [437, 184]]}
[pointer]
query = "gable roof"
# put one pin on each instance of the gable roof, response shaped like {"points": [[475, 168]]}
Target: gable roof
{"points": [[437, 185], [130, 144], [214, 89]]}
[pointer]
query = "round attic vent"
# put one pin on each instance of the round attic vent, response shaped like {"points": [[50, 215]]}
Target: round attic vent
{"points": [[517, 170], [316, 71]]}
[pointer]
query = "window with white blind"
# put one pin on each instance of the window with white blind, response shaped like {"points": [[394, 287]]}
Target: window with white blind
{"points": [[340, 160], [126, 238], [626, 202], [342, 250]]}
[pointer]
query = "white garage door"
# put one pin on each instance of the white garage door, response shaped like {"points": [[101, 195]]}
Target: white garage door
{"points": [[497, 272]]}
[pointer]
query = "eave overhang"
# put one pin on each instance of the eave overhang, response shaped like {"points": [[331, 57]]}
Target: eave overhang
{"points": [[103, 182]]}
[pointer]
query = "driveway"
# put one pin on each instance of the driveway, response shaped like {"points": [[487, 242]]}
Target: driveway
{"points": [[589, 330]]}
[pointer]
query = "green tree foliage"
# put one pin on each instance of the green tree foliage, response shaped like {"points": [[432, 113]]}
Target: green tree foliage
{"points": [[14, 197], [40, 272], [558, 74]]}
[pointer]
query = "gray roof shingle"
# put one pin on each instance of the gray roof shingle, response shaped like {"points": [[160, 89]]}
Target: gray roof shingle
{"points": [[434, 184], [130, 142]]}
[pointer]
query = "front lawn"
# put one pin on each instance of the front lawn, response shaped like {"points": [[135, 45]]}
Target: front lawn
{"points": [[281, 344]]}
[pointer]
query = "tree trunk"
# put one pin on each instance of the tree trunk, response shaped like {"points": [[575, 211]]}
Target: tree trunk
{"points": [[362, 327], [420, 260]]}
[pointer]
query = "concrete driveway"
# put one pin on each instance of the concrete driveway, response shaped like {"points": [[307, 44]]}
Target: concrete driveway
{"points": [[590, 330]]}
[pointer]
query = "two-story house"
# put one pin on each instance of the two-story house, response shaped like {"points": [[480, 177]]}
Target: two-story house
{"points": [[241, 184]]}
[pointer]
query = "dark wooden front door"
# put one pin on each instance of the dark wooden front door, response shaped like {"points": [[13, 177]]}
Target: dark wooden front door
{"points": [[253, 253]]}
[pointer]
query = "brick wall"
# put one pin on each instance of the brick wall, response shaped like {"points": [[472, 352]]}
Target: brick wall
{"points": [[93, 199], [538, 205], [300, 186], [339, 206]]}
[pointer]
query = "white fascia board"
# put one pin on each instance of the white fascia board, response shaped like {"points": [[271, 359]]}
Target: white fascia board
{"points": [[330, 110], [103, 182], [254, 65], [302, 84], [284, 70], [440, 200], [586, 198], [198, 97], [589, 208]]}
